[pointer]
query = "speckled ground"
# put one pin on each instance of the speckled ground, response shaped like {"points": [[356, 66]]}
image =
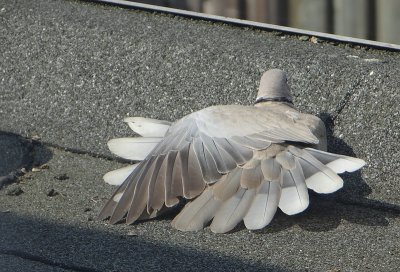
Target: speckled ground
{"points": [[70, 71]]}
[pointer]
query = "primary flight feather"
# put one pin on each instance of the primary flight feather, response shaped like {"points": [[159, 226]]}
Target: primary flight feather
{"points": [[231, 163]]}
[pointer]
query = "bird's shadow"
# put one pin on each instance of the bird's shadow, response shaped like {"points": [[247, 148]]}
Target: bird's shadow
{"points": [[19, 155]]}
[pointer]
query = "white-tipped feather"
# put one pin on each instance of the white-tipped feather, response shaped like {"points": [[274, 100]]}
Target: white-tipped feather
{"points": [[146, 120], [264, 205], [232, 211], [294, 198], [319, 177], [321, 183], [337, 163], [117, 177], [133, 148], [147, 127]]}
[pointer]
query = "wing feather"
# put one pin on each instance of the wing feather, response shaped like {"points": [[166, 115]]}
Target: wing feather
{"points": [[138, 203], [207, 164], [251, 142], [224, 165], [170, 197], [194, 184], [125, 201], [239, 153], [158, 161]]}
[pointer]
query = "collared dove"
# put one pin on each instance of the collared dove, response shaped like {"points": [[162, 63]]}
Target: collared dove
{"points": [[231, 163]]}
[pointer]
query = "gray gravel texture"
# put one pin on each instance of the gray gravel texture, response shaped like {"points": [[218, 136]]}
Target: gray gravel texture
{"points": [[12, 263], [63, 229], [70, 71]]}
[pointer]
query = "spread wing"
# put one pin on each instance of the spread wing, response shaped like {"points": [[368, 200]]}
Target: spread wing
{"points": [[197, 150]]}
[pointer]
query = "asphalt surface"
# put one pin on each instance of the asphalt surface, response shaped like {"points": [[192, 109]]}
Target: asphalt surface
{"points": [[70, 71]]}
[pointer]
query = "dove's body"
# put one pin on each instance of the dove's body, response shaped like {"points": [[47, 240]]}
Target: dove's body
{"points": [[236, 162]]}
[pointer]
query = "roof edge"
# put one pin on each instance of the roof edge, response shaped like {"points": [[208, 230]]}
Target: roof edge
{"points": [[252, 24]]}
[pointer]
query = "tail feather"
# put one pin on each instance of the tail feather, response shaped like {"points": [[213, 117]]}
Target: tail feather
{"points": [[286, 159], [251, 178], [264, 205], [294, 198], [232, 211], [319, 177], [133, 148], [228, 185], [337, 163], [147, 127], [271, 169], [117, 177]]}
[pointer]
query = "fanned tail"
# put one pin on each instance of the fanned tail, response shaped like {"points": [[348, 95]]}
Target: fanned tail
{"points": [[254, 194]]}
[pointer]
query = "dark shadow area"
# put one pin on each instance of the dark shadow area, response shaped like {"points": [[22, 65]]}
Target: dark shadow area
{"points": [[19, 155], [326, 213], [354, 186], [81, 249]]}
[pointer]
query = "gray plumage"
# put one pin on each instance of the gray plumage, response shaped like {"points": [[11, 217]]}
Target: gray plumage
{"points": [[231, 163]]}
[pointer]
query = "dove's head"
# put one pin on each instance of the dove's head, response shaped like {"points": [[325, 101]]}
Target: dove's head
{"points": [[274, 87]]}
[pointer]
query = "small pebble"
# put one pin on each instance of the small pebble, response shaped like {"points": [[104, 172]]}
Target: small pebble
{"points": [[52, 193], [303, 38], [315, 39], [61, 177], [35, 137]]}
